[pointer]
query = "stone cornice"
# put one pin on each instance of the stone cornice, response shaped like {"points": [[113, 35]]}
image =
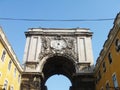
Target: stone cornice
{"points": [[60, 31]]}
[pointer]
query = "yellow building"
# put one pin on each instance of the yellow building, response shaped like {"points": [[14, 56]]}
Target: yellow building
{"points": [[107, 70], [10, 69]]}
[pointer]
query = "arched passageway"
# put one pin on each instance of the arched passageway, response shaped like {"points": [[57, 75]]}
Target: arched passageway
{"points": [[58, 65]]}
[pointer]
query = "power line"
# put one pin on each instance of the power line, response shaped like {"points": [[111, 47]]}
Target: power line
{"points": [[58, 20]]}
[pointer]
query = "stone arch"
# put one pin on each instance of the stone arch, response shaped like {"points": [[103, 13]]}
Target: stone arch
{"points": [[44, 60], [58, 64], [44, 56]]}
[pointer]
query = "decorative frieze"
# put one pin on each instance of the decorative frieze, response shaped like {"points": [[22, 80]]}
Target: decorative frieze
{"points": [[58, 45]]}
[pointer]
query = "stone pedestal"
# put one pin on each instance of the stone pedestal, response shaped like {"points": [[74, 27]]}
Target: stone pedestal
{"points": [[31, 81]]}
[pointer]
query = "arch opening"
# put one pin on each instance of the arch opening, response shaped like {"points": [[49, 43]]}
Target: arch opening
{"points": [[58, 65], [58, 82]]}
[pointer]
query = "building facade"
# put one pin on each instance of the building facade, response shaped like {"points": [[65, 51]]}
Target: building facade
{"points": [[51, 51], [107, 70], [10, 68]]}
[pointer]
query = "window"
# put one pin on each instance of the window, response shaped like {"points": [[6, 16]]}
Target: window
{"points": [[117, 45], [99, 75], [11, 88], [96, 80], [110, 58], [115, 81], [19, 78], [0, 74], [104, 67], [3, 55], [5, 85], [107, 86], [15, 72], [9, 65]]}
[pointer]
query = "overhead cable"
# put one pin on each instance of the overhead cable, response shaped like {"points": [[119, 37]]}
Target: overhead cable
{"points": [[58, 20]]}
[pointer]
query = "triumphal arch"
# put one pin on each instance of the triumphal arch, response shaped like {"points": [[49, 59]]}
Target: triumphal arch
{"points": [[50, 51]]}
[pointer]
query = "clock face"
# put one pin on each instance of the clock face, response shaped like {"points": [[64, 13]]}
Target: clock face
{"points": [[58, 44]]}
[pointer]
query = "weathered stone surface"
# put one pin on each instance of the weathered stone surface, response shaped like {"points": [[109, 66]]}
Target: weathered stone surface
{"points": [[50, 51]]}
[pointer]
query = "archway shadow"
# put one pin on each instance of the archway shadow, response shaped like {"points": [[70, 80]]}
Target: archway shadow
{"points": [[58, 65]]}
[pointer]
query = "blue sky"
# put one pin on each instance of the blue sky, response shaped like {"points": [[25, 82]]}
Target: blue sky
{"points": [[57, 9]]}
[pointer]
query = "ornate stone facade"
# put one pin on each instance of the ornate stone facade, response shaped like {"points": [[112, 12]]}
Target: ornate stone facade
{"points": [[58, 45], [50, 51]]}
